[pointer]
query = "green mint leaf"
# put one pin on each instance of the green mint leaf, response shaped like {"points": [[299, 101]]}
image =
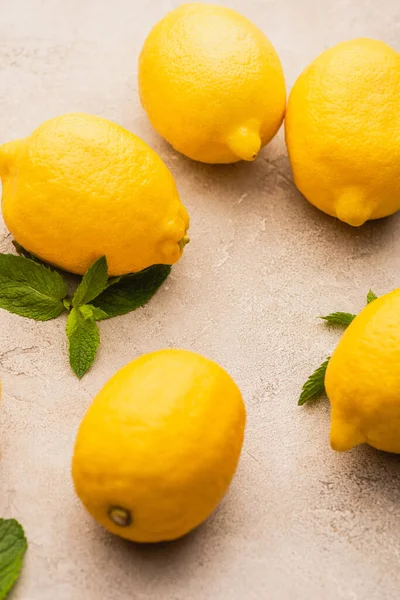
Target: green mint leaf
{"points": [[86, 311], [29, 289], [98, 314], [132, 291], [114, 280], [13, 546], [84, 339], [92, 312], [339, 318], [93, 283], [315, 384], [371, 297]]}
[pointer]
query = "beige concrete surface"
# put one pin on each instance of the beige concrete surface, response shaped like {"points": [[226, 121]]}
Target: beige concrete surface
{"points": [[300, 522]]}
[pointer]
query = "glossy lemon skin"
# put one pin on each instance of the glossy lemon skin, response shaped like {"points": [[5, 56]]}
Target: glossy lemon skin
{"points": [[81, 187], [363, 379], [211, 83], [343, 131], [161, 441]]}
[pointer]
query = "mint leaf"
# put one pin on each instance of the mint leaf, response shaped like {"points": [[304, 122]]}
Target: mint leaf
{"points": [[98, 314], [86, 311], [92, 312], [132, 291], [339, 318], [114, 280], [371, 297], [29, 289], [13, 546], [93, 283], [315, 384], [84, 339]]}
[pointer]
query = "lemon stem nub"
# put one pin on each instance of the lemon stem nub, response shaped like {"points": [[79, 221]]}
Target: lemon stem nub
{"points": [[120, 516], [185, 240], [245, 143]]}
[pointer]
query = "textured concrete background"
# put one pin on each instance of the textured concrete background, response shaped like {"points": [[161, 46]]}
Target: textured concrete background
{"points": [[300, 521]]}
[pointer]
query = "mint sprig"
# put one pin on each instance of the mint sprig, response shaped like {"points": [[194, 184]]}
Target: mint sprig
{"points": [[13, 546], [34, 290], [314, 387]]}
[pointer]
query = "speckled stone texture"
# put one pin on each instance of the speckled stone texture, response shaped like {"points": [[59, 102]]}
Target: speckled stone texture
{"points": [[300, 522]]}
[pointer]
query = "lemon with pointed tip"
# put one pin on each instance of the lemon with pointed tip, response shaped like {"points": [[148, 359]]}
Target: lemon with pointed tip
{"points": [[363, 379], [159, 445], [81, 187], [343, 131], [211, 83]]}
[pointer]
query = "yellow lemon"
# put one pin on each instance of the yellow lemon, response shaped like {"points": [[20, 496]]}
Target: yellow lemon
{"points": [[159, 446], [81, 187], [343, 131], [211, 83], [363, 379]]}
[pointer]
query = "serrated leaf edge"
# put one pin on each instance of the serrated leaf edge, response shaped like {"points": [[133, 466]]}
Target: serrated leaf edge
{"points": [[307, 391]]}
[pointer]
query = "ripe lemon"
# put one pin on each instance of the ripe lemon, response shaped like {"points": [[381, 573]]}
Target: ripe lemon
{"points": [[363, 379], [81, 187], [343, 131], [211, 83], [159, 446]]}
